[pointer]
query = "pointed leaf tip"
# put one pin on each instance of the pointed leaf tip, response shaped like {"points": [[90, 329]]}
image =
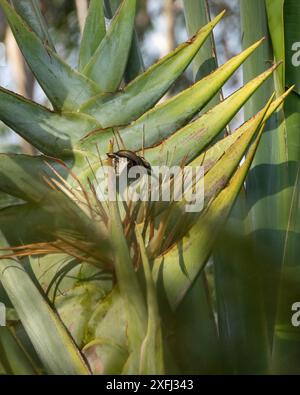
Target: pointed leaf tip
{"points": [[107, 66]]}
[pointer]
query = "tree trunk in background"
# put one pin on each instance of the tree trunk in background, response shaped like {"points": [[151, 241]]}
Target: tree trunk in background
{"points": [[169, 16], [169, 12], [22, 76], [82, 11]]}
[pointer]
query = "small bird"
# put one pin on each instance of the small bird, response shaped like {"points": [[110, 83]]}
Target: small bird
{"points": [[127, 159]]}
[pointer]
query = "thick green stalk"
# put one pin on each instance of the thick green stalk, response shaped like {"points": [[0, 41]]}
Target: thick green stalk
{"points": [[284, 28], [240, 302], [152, 350], [264, 178], [271, 196], [196, 15]]}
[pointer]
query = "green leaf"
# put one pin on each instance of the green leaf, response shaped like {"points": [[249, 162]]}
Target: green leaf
{"points": [[219, 175], [66, 88], [107, 351], [196, 14], [287, 335], [8, 200], [265, 179], [110, 7], [30, 11], [13, 357], [240, 297], [107, 65], [271, 181], [105, 356], [164, 119], [152, 359], [23, 176], [129, 286], [195, 315], [25, 179], [23, 224], [93, 33], [49, 337], [286, 338], [178, 267], [51, 340], [291, 34], [176, 270], [188, 142], [142, 93], [76, 306], [276, 25], [51, 133], [262, 178], [135, 64], [209, 157]]}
